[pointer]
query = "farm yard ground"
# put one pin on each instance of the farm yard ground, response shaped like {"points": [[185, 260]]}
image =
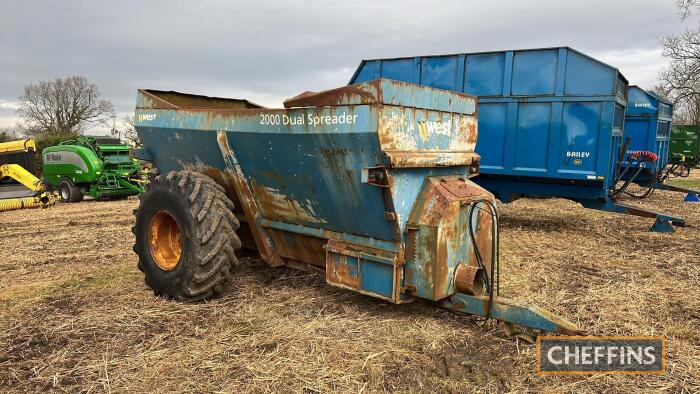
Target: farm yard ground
{"points": [[76, 316]]}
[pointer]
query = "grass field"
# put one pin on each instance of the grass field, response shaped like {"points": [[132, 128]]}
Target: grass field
{"points": [[76, 316], [690, 183]]}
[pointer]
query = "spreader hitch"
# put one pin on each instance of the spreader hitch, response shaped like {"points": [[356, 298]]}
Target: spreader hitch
{"points": [[510, 311]]}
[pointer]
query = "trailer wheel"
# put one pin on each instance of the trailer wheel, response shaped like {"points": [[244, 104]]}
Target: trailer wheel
{"points": [[186, 236], [69, 192]]}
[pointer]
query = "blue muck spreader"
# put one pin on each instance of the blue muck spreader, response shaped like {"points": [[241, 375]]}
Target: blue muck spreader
{"points": [[552, 124], [367, 184]]}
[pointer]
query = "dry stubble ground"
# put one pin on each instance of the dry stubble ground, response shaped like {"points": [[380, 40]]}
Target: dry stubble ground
{"points": [[75, 315]]}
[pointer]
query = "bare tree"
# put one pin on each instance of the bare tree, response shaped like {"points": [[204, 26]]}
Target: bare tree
{"points": [[680, 112], [681, 79], [127, 132], [686, 112], [686, 109], [8, 134], [686, 7], [63, 106]]}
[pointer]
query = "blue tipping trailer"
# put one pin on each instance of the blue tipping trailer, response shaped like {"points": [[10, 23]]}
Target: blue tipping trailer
{"points": [[648, 127], [648, 123], [368, 184], [551, 120]]}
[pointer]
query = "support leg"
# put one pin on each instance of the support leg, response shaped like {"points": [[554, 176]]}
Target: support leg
{"points": [[510, 311], [662, 226], [691, 197], [611, 205]]}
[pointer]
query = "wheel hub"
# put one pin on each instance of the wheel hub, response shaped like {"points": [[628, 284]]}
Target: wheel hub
{"points": [[165, 240]]}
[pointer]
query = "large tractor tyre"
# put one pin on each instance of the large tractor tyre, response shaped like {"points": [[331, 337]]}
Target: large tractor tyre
{"points": [[186, 236], [69, 192]]}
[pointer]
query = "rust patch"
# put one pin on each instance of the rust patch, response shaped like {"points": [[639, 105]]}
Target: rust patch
{"points": [[441, 263], [338, 271], [465, 279], [458, 190], [406, 135], [439, 207], [363, 93], [160, 99], [262, 240], [343, 266], [275, 205], [467, 129], [393, 133], [437, 196], [367, 93], [433, 159], [472, 131], [298, 247], [430, 253]]}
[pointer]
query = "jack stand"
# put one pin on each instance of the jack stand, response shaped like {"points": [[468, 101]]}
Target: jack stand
{"points": [[662, 226], [664, 222]]}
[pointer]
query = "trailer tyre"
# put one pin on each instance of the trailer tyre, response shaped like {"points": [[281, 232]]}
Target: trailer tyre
{"points": [[69, 192], [186, 236]]}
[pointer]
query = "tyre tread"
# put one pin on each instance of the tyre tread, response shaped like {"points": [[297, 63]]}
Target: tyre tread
{"points": [[215, 231]]}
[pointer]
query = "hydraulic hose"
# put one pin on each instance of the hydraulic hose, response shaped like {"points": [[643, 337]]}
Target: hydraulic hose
{"points": [[638, 160], [492, 282]]}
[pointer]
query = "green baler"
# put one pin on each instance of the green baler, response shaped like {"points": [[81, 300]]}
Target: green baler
{"points": [[101, 167]]}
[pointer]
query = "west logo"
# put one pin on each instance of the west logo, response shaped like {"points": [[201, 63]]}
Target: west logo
{"points": [[146, 117], [429, 128]]}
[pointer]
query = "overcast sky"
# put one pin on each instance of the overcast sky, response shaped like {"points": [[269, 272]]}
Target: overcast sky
{"points": [[268, 51]]}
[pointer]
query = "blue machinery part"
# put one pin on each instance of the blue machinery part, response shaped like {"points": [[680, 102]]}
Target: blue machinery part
{"points": [[663, 223], [691, 194], [648, 119], [551, 121], [510, 311]]}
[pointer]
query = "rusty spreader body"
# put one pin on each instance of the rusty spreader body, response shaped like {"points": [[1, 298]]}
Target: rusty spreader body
{"points": [[368, 183]]}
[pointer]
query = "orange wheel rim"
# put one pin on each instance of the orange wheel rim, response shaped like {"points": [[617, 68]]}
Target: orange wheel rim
{"points": [[165, 241]]}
